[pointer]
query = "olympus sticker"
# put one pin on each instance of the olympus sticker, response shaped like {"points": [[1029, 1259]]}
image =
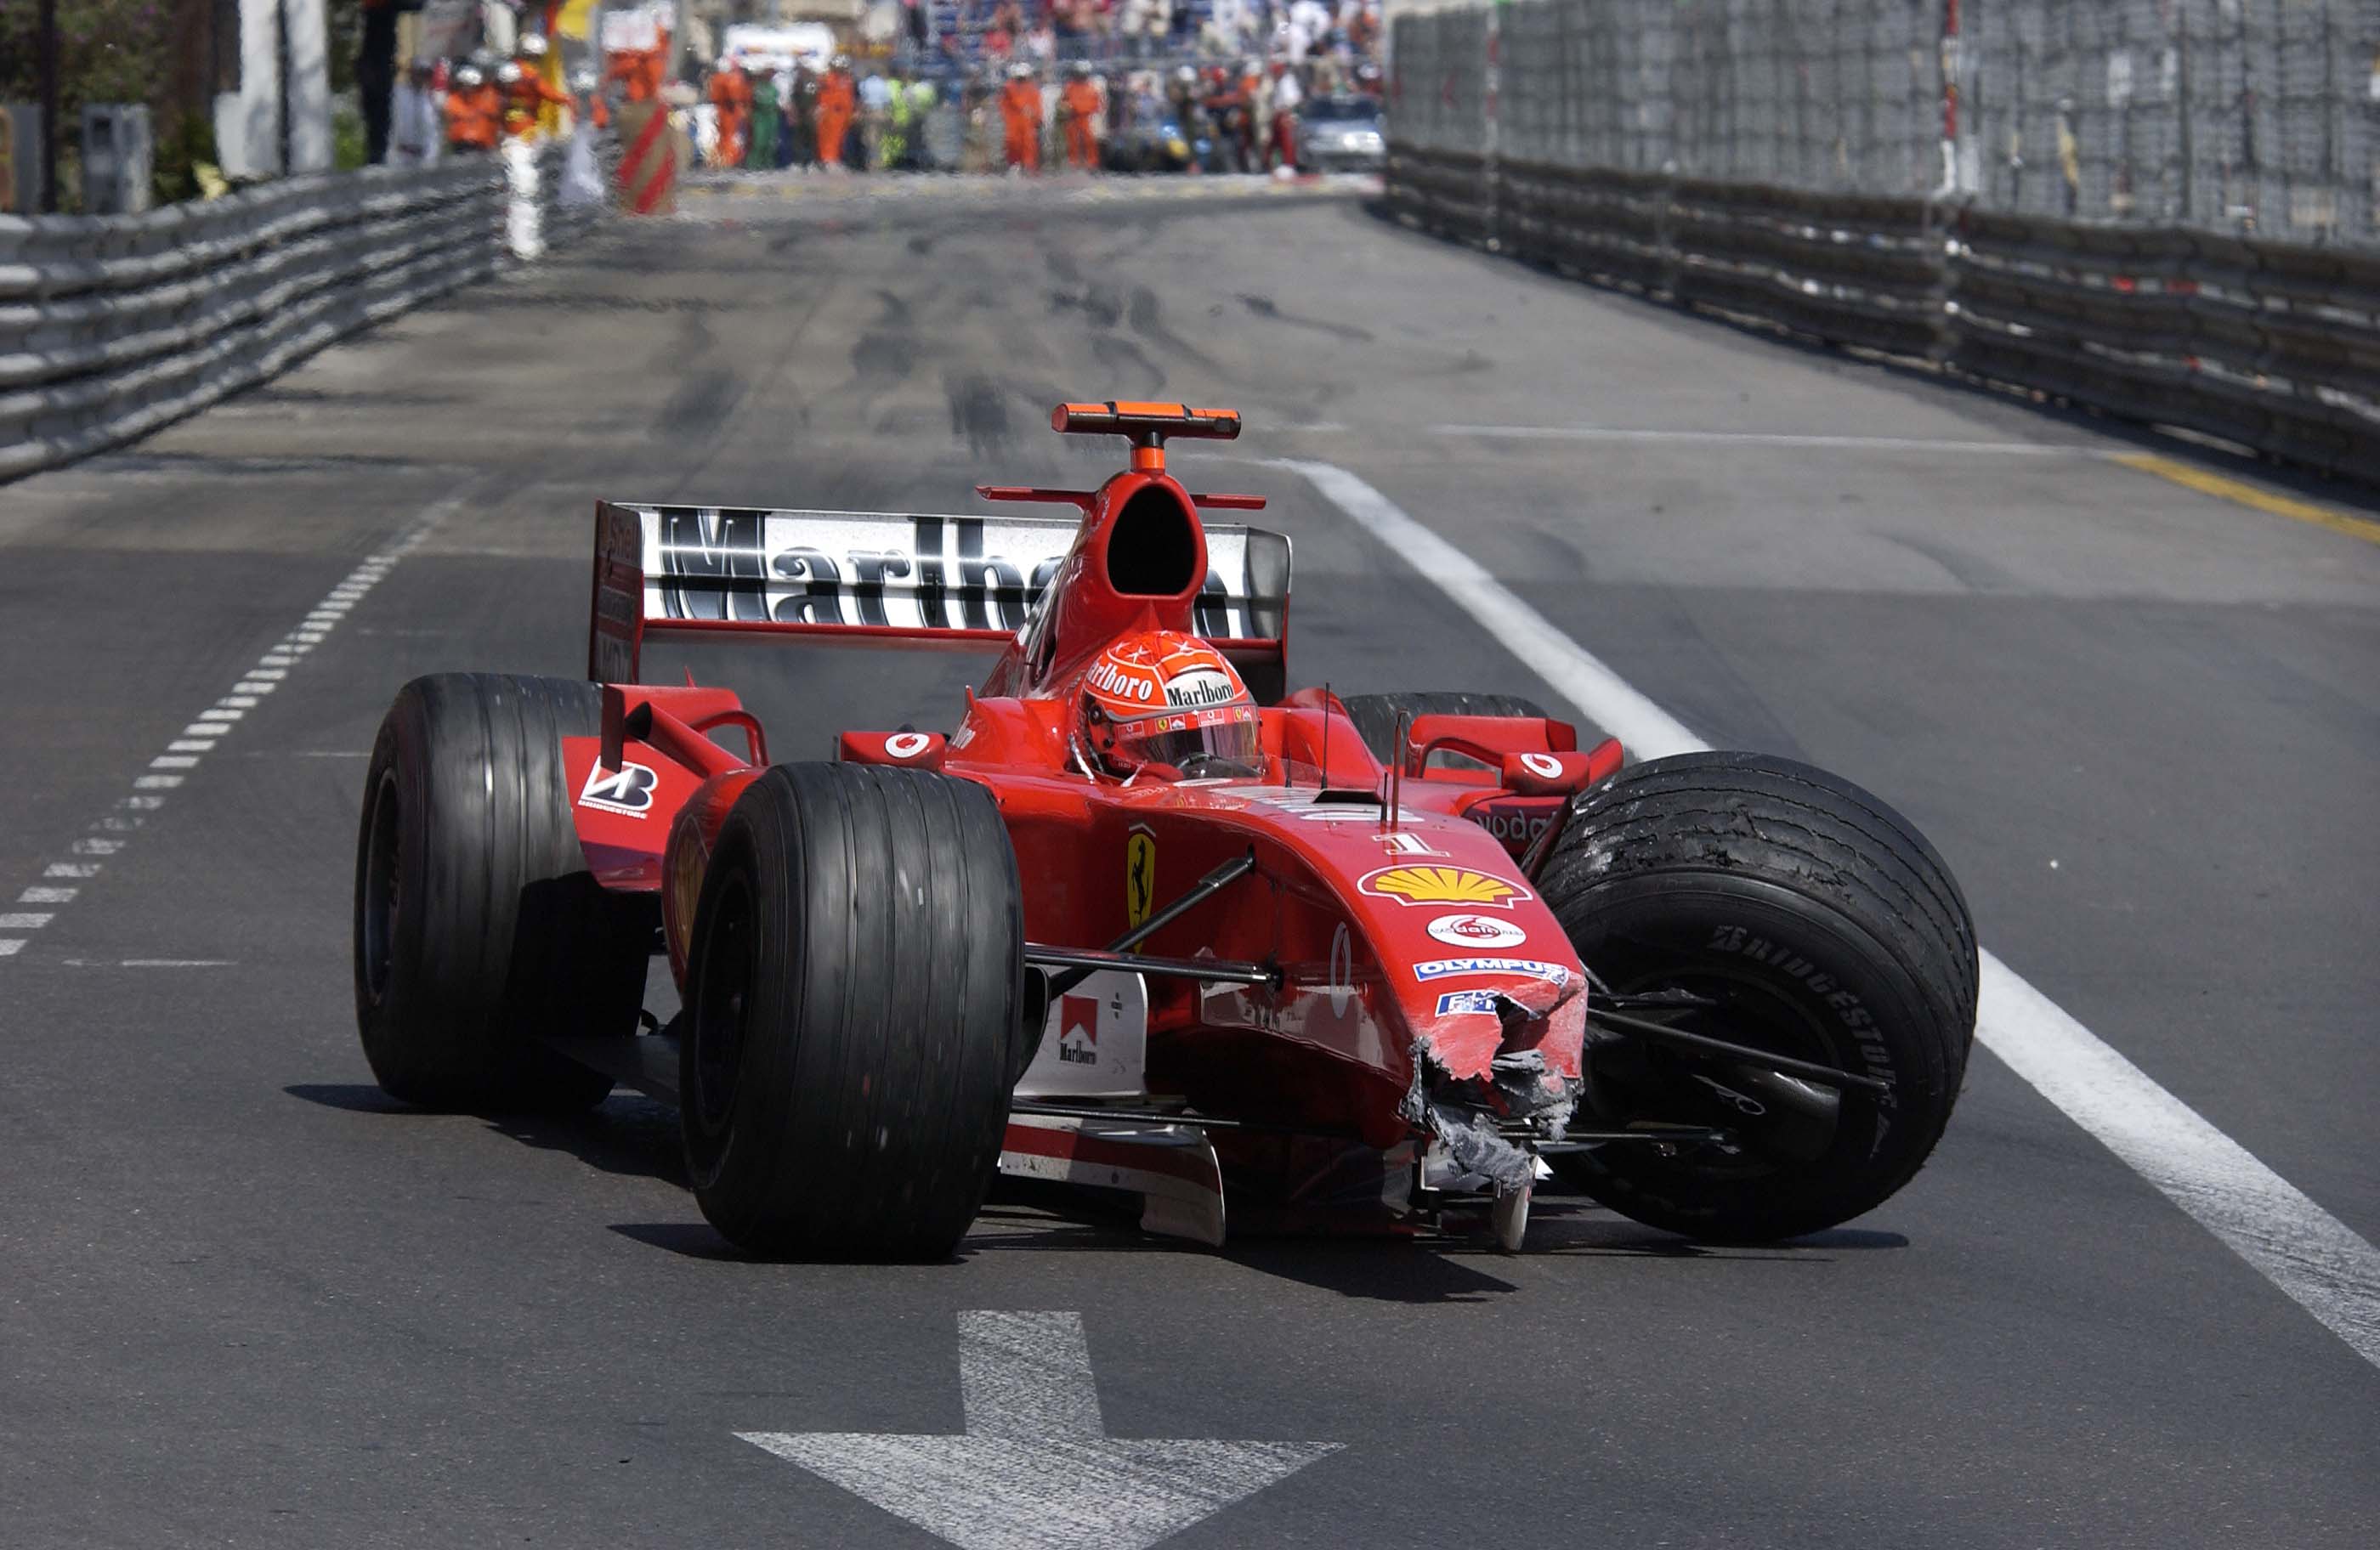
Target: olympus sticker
{"points": [[1525, 968]]}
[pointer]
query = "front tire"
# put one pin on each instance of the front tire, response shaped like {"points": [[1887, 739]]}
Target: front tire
{"points": [[478, 927], [1825, 928], [854, 1005]]}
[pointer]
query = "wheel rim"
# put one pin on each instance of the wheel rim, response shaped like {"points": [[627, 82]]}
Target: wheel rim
{"points": [[722, 1007], [1779, 1122], [381, 895]]}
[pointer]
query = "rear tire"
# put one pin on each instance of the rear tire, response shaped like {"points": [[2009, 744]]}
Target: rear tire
{"points": [[854, 1006], [1826, 928], [1375, 715], [477, 924]]}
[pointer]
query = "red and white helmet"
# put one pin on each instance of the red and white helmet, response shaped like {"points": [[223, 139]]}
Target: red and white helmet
{"points": [[1169, 704]]}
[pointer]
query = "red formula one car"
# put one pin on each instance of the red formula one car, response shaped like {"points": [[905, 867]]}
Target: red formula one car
{"points": [[1141, 919]]}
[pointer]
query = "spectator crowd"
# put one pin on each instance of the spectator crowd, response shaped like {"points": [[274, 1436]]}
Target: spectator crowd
{"points": [[973, 86], [1028, 85]]}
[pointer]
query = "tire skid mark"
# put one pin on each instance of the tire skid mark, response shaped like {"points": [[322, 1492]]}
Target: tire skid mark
{"points": [[107, 835]]}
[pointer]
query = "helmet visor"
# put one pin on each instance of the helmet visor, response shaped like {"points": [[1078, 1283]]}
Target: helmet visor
{"points": [[1198, 744]]}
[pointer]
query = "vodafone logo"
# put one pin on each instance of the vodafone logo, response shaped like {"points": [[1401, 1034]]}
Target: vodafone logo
{"points": [[1545, 767], [1477, 930], [906, 744]]}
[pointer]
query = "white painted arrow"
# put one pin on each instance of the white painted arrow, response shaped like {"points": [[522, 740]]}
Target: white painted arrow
{"points": [[1035, 1469]]}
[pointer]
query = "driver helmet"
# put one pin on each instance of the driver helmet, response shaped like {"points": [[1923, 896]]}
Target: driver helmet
{"points": [[1170, 704]]}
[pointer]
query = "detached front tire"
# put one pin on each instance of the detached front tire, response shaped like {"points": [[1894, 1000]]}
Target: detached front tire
{"points": [[478, 927], [854, 1002], [1814, 922]]}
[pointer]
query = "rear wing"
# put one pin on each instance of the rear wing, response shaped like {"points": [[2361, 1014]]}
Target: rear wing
{"points": [[881, 579]]}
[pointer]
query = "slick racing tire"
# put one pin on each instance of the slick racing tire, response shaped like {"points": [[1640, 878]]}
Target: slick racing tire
{"points": [[854, 1002], [478, 927], [1375, 715], [1824, 928]]}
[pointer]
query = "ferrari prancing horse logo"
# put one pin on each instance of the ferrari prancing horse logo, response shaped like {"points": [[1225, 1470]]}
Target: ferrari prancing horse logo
{"points": [[1139, 876]]}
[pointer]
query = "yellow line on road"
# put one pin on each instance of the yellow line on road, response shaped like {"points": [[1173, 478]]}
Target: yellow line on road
{"points": [[2207, 482]]}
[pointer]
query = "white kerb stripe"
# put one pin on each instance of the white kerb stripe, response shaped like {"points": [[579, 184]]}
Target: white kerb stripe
{"points": [[2328, 1268]]}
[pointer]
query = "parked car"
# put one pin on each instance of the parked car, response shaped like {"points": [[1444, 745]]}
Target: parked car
{"points": [[1341, 134]]}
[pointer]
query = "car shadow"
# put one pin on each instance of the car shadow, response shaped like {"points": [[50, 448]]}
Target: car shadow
{"points": [[632, 1135], [626, 1133], [1574, 1227]]}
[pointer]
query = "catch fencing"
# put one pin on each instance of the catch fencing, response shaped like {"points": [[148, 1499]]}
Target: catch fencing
{"points": [[112, 326], [2162, 209]]}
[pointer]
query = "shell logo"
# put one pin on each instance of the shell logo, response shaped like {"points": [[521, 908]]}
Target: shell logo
{"points": [[1441, 885]]}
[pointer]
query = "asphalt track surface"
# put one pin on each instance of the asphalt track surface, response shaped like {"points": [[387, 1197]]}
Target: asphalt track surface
{"points": [[244, 1299]]}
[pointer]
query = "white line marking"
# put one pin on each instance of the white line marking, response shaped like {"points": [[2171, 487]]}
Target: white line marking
{"points": [[1757, 439], [211, 725], [1026, 1375], [2320, 1262], [147, 963], [1033, 1470]]}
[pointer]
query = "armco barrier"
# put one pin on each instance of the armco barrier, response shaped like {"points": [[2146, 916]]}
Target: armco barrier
{"points": [[2160, 208], [112, 326], [2273, 346]]}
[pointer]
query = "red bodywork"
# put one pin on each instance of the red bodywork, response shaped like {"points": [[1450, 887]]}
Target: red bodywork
{"points": [[1422, 986]]}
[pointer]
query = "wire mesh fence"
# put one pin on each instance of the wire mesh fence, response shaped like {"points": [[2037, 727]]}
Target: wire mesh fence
{"points": [[2252, 117]]}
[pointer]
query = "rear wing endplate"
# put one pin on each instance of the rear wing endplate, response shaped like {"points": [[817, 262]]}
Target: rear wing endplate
{"points": [[879, 578]]}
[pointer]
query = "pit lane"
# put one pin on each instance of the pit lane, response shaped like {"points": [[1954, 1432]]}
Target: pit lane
{"points": [[251, 1301]]}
